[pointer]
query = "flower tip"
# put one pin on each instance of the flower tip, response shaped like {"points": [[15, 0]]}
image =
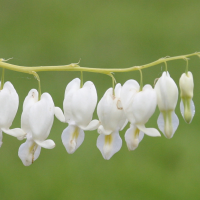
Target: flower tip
{"points": [[107, 151], [71, 147], [133, 144]]}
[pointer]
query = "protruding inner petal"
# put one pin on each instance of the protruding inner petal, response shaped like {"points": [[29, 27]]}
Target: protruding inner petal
{"points": [[133, 136], [72, 138], [187, 109], [168, 123], [109, 144]]}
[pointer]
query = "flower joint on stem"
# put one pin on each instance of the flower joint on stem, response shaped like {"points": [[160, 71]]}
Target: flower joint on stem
{"points": [[39, 85]]}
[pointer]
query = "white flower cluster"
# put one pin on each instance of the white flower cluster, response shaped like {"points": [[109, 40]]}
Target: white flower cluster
{"points": [[127, 103]]}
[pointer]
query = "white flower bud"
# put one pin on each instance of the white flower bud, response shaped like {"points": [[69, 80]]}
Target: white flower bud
{"points": [[186, 84]]}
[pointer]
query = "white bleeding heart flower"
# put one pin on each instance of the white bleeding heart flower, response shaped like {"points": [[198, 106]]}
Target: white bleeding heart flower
{"points": [[187, 107], [9, 102], [139, 106], [112, 119], [79, 105], [36, 121], [167, 96]]}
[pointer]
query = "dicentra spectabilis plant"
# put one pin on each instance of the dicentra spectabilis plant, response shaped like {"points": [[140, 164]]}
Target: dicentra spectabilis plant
{"points": [[130, 102]]}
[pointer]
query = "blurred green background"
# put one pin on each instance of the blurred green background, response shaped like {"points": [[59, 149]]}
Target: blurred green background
{"points": [[114, 34]]}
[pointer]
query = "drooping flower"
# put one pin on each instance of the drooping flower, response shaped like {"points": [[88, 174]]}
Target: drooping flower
{"points": [[79, 105], [167, 96], [36, 121], [112, 119], [9, 102], [139, 106], [187, 107]]}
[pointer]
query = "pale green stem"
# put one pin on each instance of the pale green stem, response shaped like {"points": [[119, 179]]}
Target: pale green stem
{"points": [[39, 85], [76, 67], [2, 78], [186, 69], [141, 80], [166, 66], [81, 79], [113, 83]]}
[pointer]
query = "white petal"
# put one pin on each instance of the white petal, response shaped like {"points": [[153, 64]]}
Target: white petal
{"points": [[110, 112], [191, 111], [29, 152], [93, 125], [16, 132], [1, 137], [71, 88], [73, 85], [9, 102], [144, 104], [72, 138], [47, 144], [59, 114], [41, 117], [148, 131], [118, 90], [109, 144], [186, 84], [125, 123], [133, 136], [167, 92], [31, 98], [129, 89], [83, 104], [168, 126], [29, 101]]}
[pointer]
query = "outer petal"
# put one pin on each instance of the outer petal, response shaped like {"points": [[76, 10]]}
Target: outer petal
{"points": [[168, 123], [167, 92], [29, 152], [30, 100], [16, 132], [129, 89], [71, 88], [109, 144], [41, 117], [144, 104], [72, 138], [133, 136], [59, 114], [83, 104], [9, 102], [110, 111], [186, 84]]}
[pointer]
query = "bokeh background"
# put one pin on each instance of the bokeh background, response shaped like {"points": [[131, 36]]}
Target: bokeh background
{"points": [[114, 34]]}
